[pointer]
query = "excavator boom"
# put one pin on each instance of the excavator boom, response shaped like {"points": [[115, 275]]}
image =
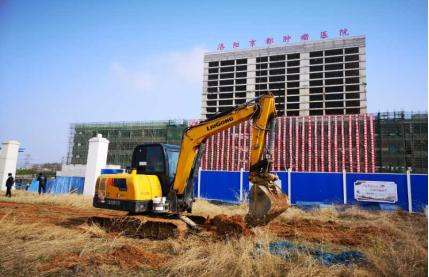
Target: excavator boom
{"points": [[266, 200]]}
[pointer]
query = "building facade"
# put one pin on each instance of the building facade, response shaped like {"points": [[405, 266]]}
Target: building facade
{"points": [[383, 142], [401, 142], [123, 138], [323, 77]]}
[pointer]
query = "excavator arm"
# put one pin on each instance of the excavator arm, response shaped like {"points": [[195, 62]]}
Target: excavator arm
{"points": [[264, 195]]}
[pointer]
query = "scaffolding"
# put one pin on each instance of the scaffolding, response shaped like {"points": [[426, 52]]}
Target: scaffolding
{"points": [[123, 138], [402, 142]]}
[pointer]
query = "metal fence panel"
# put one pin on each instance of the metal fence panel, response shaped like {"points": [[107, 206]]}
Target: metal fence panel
{"points": [[419, 191]]}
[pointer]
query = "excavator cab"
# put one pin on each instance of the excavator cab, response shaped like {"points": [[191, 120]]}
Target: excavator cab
{"points": [[157, 159]]}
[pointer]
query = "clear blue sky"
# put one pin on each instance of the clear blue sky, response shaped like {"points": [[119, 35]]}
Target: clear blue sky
{"points": [[86, 61]]}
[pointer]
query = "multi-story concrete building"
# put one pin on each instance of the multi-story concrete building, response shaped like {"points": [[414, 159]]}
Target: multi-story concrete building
{"points": [[308, 78]]}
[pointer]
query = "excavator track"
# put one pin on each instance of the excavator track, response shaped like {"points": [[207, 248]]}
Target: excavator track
{"points": [[145, 226]]}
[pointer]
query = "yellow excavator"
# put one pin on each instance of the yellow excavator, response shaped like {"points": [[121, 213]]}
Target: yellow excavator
{"points": [[160, 183]]}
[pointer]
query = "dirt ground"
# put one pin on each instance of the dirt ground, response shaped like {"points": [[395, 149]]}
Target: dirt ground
{"points": [[48, 238], [227, 226]]}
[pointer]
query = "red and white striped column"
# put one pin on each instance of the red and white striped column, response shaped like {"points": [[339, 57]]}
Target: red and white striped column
{"points": [[357, 143], [316, 154], [310, 162], [343, 146], [350, 123], [246, 137], [279, 128], [291, 165], [365, 143], [371, 130], [297, 143], [233, 148], [228, 149], [335, 143], [329, 144], [322, 145], [303, 144], [284, 142]]}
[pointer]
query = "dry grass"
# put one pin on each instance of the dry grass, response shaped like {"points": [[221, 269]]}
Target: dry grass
{"points": [[87, 250], [403, 253], [32, 249], [238, 258], [68, 200], [204, 207], [30, 246]]}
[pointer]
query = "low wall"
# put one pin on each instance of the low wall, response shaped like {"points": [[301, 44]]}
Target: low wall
{"points": [[78, 170], [60, 185], [326, 188], [301, 187]]}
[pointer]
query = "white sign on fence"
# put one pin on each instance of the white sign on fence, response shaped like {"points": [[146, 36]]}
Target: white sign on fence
{"points": [[376, 191]]}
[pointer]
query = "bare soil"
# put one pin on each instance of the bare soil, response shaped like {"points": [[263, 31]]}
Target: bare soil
{"points": [[326, 231], [126, 257], [230, 226], [68, 217], [381, 236], [223, 226]]}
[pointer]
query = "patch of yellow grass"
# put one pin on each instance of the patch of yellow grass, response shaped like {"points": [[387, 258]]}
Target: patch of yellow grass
{"points": [[204, 207], [33, 249], [239, 258], [223, 258], [70, 200]]}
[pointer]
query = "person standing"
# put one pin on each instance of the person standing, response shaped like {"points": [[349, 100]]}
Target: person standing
{"points": [[9, 184], [42, 183]]}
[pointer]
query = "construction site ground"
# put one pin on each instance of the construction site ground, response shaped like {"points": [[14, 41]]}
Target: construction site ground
{"points": [[54, 235]]}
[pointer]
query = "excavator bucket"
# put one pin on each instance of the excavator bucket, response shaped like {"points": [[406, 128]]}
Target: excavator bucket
{"points": [[266, 200]]}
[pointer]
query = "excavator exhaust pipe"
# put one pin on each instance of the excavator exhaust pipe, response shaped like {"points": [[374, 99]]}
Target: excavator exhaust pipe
{"points": [[266, 200]]}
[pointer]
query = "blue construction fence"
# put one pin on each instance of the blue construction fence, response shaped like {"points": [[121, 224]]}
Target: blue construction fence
{"points": [[59, 185], [301, 187], [321, 188]]}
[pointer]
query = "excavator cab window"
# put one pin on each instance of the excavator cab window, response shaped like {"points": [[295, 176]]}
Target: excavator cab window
{"points": [[173, 157], [157, 159], [149, 159]]}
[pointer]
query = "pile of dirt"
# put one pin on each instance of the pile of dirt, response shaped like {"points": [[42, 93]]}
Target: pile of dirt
{"points": [[325, 231], [131, 257], [127, 257], [230, 226], [142, 226]]}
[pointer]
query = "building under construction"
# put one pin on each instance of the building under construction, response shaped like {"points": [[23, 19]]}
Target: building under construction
{"points": [[323, 77], [123, 138], [384, 142], [401, 142]]}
